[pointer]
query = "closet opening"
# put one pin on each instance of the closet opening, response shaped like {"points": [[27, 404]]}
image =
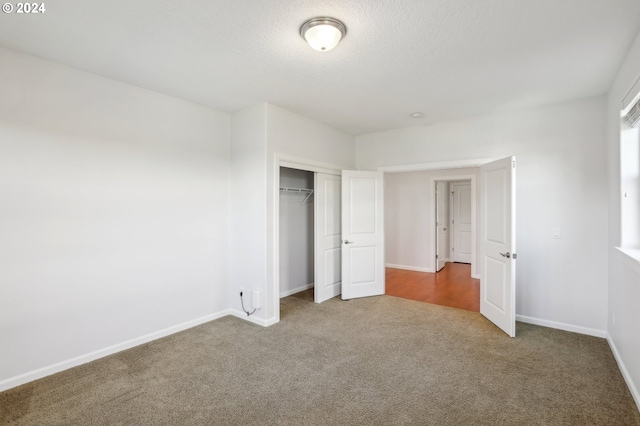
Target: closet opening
{"points": [[307, 225], [296, 232]]}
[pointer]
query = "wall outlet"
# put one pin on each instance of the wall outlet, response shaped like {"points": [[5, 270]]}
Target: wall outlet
{"points": [[255, 299]]}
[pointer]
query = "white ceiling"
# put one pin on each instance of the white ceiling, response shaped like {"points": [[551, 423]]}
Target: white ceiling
{"points": [[444, 58]]}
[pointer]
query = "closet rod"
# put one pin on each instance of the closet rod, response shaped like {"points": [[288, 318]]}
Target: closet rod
{"points": [[295, 189]]}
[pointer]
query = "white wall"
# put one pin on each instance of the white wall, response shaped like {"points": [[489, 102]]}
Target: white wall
{"points": [[624, 272], [561, 182], [113, 219], [248, 197], [406, 221], [296, 232], [409, 212]]}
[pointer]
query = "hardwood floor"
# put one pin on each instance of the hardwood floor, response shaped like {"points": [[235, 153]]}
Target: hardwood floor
{"points": [[452, 286]]}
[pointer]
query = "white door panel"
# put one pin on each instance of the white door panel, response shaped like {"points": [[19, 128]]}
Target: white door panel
{"points": [[362, 234], [495, 197], [496, 293], [327, 234], [362, 199], [498, 244], [462, 223], [464, 246]]}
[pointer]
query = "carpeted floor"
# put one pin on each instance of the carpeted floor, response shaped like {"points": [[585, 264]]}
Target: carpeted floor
{"points": [[373, 361]]}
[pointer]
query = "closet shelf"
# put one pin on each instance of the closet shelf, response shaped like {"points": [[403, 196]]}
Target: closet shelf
{"points": [[295, 189], [309, 192]]}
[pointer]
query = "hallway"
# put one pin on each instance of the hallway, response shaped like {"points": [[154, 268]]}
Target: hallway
{"points": [[452, 286]]}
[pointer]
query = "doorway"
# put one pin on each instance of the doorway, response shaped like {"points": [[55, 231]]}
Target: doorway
{"points": [[431, 236], [295, 255], [454, 224], [309, 234], [296, 203]]}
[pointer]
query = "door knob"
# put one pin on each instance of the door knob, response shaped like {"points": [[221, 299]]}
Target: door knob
{"points": [[348, 242], [507, 255]]}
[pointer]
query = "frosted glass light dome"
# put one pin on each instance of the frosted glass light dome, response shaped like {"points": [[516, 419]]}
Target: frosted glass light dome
{"points": [[323, 34]]}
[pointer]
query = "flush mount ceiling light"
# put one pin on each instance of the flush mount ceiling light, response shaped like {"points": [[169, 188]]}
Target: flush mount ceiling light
{"points": [[323, 33], [416, 115]]}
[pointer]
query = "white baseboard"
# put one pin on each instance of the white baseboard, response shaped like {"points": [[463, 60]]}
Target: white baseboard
{"points": [[408, 268], [625, 373], [295, 290], [562, 326], [251, 318], [101, 353]]}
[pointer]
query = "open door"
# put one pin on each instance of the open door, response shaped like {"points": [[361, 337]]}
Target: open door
{"points": [[362, 234], [327, 236], [441, 225], [498, 244], [461, 222]]}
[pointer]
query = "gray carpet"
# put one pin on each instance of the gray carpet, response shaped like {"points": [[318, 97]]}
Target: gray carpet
{"points": [[373, 361]]}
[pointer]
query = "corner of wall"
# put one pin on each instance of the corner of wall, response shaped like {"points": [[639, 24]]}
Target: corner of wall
{"points": [[623, 317], [247, 207]]}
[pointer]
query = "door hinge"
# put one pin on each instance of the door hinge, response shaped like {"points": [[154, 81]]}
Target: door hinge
{"points": [[436, 256], [453, 249], [514, 164]]}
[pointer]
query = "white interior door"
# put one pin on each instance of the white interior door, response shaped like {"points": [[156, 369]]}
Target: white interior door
{"points": [[441, 224], [327, 236], [498, 244], [362, 234], [461, 222]]}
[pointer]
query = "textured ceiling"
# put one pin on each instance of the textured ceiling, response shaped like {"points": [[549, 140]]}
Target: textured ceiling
{"points": [[444, 58]]}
